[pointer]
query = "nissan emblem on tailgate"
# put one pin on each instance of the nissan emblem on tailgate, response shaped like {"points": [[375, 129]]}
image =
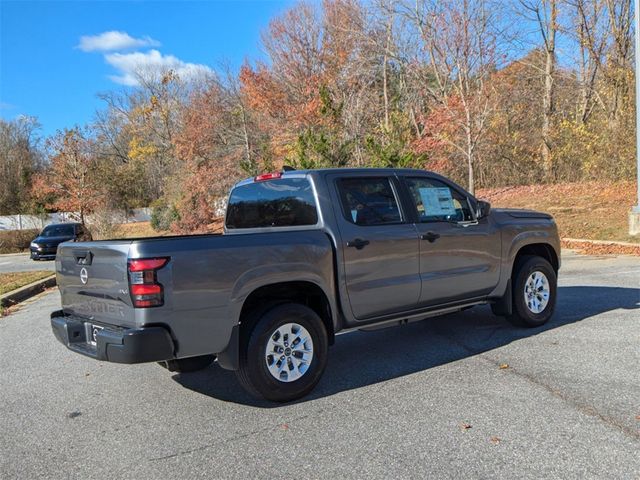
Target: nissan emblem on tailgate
{"points": [[84, 276]]}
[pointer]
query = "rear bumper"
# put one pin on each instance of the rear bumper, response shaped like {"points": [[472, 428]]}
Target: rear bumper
{"points": [[118, 345]]}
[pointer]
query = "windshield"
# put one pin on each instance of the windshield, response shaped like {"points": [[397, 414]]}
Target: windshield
{"points": [[57, 231]]}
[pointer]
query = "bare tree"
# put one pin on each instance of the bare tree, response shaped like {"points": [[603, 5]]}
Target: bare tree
{"points": [[456, 52], [545, 15], [604, 34], [621, 32], [590, 24], [20, 157]]}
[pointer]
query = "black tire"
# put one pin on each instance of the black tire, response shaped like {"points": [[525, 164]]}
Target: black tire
{"points": [[186, 365], [253, 373], [522, 315]]}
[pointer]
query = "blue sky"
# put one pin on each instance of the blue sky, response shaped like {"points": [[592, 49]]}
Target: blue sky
{"points": [[49, 71]]}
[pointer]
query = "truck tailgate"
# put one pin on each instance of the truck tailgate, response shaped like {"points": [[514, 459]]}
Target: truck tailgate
{"points": [[93, 281]]}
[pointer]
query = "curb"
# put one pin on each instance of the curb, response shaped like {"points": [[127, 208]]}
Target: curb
{"points": [[601, 242], [28, 291], [13, 254]]}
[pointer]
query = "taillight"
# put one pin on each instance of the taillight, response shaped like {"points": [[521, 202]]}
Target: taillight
{"points": [[143, 282], [147, 264], [267, 176]]}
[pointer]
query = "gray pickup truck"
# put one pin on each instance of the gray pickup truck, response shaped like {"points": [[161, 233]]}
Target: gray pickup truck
{"points": [[304, 255]]}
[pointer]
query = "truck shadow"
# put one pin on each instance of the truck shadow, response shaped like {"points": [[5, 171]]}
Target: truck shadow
{"points": [[365, 358]]}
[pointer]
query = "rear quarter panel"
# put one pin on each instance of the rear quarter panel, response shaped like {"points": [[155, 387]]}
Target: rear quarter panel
{"points": [[209, 277]]}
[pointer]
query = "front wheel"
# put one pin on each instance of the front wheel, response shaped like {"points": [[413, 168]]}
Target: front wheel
{"points": [[285, 354], [534, 292]]}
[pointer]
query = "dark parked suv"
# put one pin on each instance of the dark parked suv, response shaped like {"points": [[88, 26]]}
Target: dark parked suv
{"points": [[45, 245]]}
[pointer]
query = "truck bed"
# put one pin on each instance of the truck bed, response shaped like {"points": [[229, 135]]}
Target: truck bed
{"points": [[204, 283]]}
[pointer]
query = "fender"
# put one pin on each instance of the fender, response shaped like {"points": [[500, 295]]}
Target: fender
{"points": [[263, 277], [542, 233], [319, 273]]}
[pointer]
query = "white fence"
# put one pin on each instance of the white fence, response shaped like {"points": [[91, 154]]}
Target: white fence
{"points": [[25, 222]]}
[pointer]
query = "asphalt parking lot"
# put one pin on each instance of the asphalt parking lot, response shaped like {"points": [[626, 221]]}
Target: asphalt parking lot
{"points": [[429, 400], [20, 262]]}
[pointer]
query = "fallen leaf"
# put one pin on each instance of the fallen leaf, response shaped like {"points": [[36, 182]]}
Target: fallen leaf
{"points": [[637, 417], [465, 426], [504, 366], [495, 440], [75, 414], [284, 426]]}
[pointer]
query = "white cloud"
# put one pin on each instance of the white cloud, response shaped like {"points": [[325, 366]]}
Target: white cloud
{"points": [[114, 40], [131, 65]]}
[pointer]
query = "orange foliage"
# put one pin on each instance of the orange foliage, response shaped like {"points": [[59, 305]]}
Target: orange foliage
{"points": [[71, 183], [440, 127]]}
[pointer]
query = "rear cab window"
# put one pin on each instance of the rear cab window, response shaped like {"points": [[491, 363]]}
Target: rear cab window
{"points": [[283, 202]]}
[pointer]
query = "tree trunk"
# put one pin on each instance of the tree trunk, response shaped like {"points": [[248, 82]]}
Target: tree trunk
{"points": [[385, 87], [470, 154], [245, 133], [549, 90], [621, 21]]}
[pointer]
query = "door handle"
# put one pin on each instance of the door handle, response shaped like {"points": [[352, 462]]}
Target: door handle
{"points": [[431, 236], [358, 243]]}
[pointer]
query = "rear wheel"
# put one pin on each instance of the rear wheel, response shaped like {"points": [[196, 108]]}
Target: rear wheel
{"points": [[534, 290], [285, 354]]}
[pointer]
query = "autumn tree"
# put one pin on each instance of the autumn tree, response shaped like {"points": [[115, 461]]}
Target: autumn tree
{"points": [[618, 69], [452, 86], [137, 131], [456, 50], [590, 30], [218, 143], [70, 183], [20, 157], [544, 14]]}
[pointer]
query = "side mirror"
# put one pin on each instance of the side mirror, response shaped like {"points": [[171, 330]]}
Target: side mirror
{"points": [[483, 209]]}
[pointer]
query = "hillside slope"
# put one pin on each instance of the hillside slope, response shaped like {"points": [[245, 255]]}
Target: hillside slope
{"points": [[589, 210]]}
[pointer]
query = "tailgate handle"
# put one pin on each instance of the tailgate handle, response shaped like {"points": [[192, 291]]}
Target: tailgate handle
{"points": [[83, 257]]}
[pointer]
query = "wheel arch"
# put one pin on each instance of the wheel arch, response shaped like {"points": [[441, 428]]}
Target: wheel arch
{"points": [[300, 291], [541, 249], [502, 302]]}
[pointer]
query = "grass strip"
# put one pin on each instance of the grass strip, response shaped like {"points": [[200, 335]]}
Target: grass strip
{"points": [[14, 280]]}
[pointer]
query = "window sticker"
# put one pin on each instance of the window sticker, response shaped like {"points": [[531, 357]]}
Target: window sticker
{"points": [[437, 201]]}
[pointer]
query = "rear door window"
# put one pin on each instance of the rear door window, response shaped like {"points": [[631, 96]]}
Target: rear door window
{"points": [[369, 201], [286, 202]]}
